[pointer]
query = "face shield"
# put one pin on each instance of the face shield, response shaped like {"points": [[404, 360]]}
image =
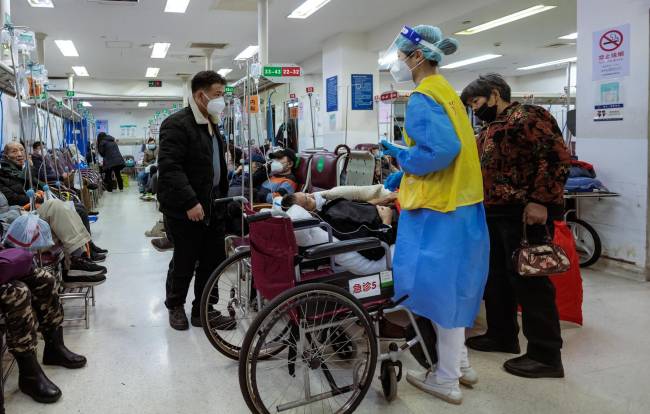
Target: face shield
{"points": [[407, 41]]}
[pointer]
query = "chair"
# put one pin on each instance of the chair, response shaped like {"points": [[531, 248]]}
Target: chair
{"points": [[303, 170], [328, 169]]}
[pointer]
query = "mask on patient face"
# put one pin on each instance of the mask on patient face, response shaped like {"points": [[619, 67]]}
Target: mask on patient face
{"points": [[246, 169], [320, 201], [277, 167], [151, 147]]}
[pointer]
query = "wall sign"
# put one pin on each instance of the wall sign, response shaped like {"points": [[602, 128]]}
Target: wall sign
{"points": [[155, 84], [611, 53], [310, 89], [332, 85], [609, 104], [102, 125], [362, 92]]}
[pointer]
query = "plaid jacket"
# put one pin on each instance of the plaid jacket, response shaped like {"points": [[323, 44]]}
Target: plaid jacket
{"points": [[523, 158]]}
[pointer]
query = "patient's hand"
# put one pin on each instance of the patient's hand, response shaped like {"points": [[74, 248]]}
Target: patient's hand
{"points": [[388, 200], [386, 214]]}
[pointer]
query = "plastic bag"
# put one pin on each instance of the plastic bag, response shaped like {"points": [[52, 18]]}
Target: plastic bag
{"points": [[568, 287], [29, 232]]}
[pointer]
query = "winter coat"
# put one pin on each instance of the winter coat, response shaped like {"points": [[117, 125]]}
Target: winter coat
{"points": [[110, 152], [185, 170]]}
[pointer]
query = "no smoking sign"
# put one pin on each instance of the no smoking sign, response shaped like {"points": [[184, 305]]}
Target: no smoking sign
{"points": [[611, 40]]}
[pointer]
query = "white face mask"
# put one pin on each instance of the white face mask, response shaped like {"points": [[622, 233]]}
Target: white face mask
{"points": [[277, 167], [246, 169], [216, 106], [400, 71]]}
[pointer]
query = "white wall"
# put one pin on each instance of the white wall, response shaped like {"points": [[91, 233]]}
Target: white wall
{"points": [[117, 117], [619, 150]]}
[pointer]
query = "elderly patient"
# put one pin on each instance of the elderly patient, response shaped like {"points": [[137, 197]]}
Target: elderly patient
{"points": [[352, 212]]}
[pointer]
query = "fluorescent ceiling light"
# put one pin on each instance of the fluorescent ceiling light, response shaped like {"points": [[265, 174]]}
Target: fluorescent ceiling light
{"points": [[152, 72], [41, 3], [553, 63], [143, 104], [176, 6], [66, 47], [470, 61], [86, 104], [308, 8], [80, 71], [224, 72], [506, 19], [159, 50], [248, 53], [387, 59], [571, 36]]}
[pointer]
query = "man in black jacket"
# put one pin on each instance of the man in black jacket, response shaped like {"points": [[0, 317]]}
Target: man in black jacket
{"points": [[191, 174]]}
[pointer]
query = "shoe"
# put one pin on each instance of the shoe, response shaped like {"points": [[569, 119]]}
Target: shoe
{"points": [[33, 381], [468, 377], [97, 249], [217, 320], [178, 319], [162, 244], [427, 382], [71, 281], [96, 257], [484, 343], [56, 353], [82, 266], [158, 230], [525, 367]]}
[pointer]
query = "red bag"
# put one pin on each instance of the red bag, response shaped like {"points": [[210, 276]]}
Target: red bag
{"points": [[568, 286]]}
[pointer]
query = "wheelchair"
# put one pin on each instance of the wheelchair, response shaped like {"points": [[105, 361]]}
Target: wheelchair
{"points": [[311, 337]]}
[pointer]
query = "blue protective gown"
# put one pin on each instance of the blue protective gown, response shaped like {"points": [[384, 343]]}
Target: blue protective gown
{"points": [[441, 259]]}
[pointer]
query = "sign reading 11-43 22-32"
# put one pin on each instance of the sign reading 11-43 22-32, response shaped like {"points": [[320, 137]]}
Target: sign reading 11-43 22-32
{"points": [[281, 71]]}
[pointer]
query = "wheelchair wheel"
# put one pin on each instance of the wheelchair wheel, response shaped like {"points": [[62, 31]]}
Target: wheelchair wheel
{"points": [[388, 380], [588, 243], [315, 371], [229, 292]]}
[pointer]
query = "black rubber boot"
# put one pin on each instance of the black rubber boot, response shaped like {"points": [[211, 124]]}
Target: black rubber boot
{"points": [[32, 380], [56, 353]]}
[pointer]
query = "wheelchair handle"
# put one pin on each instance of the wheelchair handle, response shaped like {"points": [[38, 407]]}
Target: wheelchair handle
{"points": [[239, 199]]}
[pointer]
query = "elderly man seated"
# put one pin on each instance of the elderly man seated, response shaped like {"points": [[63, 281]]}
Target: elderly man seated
{"points": [[65, 222], [352, 212]]}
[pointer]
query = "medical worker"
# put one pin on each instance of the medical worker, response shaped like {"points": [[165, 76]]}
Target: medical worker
{"points": [[442, 249]]}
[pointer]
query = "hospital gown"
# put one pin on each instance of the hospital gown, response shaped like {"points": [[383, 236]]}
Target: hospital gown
{"points": [[441, 259]]}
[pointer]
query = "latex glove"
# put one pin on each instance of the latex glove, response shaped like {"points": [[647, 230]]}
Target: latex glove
{"points": [[390, 149], [393, 181]]}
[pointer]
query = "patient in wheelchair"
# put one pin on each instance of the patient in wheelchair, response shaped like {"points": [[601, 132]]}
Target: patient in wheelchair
{"points": [[352, 212]]}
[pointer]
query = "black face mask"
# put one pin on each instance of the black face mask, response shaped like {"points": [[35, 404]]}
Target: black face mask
{"points": [[486, 113]]}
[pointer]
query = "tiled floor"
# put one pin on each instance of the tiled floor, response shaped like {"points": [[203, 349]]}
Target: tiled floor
{"points": [[137, 364]]}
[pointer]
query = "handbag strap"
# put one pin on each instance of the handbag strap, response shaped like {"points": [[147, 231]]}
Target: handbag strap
{"points": [[524, 238]]}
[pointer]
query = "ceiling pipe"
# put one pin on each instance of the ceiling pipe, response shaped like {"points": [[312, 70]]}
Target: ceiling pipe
{"points": [[263, 30], [208, 58]]}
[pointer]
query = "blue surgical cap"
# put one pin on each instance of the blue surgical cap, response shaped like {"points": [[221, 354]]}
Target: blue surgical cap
{"points": [[432, 35]]}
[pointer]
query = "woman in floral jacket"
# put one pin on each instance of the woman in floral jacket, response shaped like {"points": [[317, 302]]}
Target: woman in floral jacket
{"points": [[525, 164]]}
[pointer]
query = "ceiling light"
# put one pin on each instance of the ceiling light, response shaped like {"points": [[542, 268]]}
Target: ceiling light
{"points": [[152, 72], [67, 47], [506, 19], [571, 36], [470, 61], [388, 59], [86, 104], [553, 63], [159, 50], [80, 71], [143, 104], [41, 3], [176, 6], [248, 53], [308, 8], [224, 72]]}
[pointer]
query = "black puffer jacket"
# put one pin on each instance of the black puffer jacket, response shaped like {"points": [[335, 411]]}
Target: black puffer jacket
{"points": [[110, 152], [12, 183], [185, 171]]}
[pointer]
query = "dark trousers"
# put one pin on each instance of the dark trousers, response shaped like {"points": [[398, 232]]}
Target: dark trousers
{"points": [[108, 178], [198, 250], [83, 215], [506, 288]]}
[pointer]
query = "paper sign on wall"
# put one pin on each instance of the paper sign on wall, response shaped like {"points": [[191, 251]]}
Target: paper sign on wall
{"points": [[609, 102], [611, 53], [332, 85]]}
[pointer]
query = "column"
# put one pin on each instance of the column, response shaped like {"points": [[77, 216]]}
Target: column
{"points": [[617, 148]]}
